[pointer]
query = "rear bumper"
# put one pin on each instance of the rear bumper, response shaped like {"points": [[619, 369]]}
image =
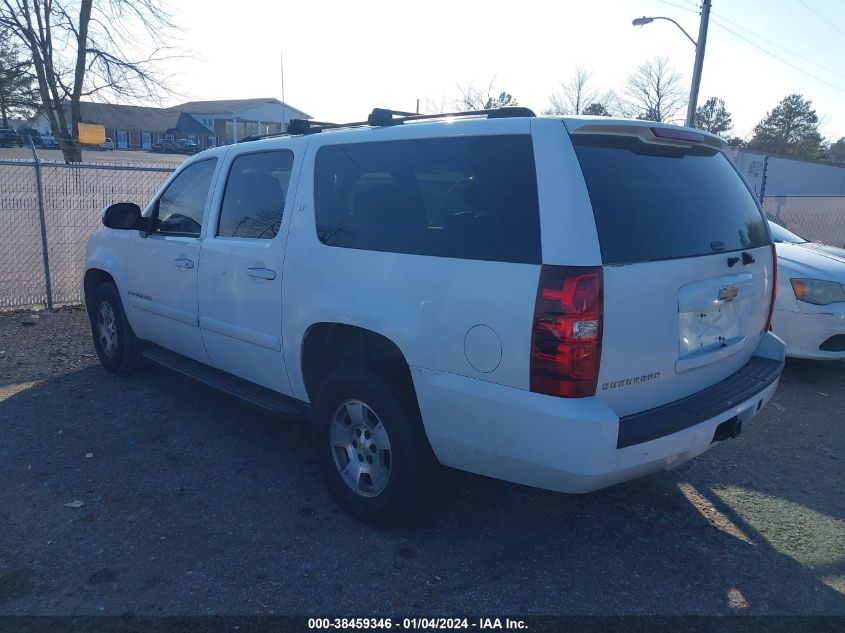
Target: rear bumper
{"points": [[805, 333], [676, 416], [569, 445]]}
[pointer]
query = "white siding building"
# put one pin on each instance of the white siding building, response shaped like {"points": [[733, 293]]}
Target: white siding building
{"points": [[233, 119], [790, 176]]}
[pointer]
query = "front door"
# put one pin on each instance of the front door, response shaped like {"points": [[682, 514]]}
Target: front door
{"points": [[146, 140], [240, 272], [162, 267], [122, 139]]}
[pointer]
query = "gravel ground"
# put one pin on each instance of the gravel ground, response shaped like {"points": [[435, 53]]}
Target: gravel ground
{"points": [[192, 503]]}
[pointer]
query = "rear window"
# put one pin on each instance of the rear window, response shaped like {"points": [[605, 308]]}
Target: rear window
{"points": [[463, 197], [654, 202]]}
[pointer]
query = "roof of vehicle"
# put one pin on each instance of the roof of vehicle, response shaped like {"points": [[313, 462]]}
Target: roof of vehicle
{"points": [[384, 118]]}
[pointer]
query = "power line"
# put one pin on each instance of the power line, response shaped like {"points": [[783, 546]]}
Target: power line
{"points": [[784, 49], [820, 17], [680, 6], [777, 57]]}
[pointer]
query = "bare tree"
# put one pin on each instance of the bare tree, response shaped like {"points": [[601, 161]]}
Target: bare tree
{"points": [[654, 92], [435, 104], [472, 98], [86, 48], [574, 95]]}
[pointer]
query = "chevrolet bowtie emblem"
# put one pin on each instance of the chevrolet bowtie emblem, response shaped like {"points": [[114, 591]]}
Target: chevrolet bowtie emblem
{"points": [[728, 292]]}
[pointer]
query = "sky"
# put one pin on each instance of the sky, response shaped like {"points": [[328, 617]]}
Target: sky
{"points": [[341, 59]]}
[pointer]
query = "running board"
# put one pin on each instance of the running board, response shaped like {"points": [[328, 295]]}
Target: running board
{"points": [[225, 382]]}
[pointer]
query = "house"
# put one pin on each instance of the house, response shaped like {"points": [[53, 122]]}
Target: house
{"points": [[234, 119], [208, 123]]}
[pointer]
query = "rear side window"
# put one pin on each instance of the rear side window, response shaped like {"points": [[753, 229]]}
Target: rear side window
{"points": [[654, 202], [463, 197], [180, 208], [255, 193]]}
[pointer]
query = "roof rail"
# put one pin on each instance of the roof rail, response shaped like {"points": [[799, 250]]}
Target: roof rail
{"points": [[383, 117], [257, 137]]}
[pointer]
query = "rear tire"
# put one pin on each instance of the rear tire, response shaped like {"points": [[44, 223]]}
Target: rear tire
{"points": [[371, 448], [118, 349]]}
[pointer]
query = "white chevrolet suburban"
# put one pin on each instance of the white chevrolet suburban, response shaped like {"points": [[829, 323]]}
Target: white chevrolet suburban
{"points": [[561, 302]]}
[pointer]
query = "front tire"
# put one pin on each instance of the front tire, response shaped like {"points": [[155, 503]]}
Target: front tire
{"points": [[371, 447], [117, 347]]}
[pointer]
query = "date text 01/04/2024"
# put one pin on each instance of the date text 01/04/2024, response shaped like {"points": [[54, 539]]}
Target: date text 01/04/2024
{"points": [[417, 623]]}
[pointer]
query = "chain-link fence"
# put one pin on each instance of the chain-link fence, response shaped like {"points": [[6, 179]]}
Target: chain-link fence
{"points": [[71, 199], [816, 218], [73, 196]]}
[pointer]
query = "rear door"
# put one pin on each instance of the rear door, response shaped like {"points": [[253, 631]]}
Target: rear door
{"points": [[687, 262], [240, 276]]}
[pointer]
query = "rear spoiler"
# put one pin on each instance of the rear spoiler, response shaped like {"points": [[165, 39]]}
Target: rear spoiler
{"points": [[648, 132]]}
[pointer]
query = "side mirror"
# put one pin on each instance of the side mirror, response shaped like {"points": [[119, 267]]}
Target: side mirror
{"points": [[124, 216]]}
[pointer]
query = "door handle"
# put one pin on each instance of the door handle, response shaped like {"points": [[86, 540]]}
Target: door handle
{"points": [[184, 262], [261, 273]]}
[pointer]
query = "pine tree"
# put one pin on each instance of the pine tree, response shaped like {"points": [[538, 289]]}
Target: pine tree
{"points": [[792, 129], [712, 116], [836, 152], [18, 96]]}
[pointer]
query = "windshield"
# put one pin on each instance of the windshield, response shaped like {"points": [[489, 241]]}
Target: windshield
{"points": [[654, 202], [782, 235]]}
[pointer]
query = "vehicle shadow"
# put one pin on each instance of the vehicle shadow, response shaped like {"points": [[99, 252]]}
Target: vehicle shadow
{"points": [[193, 503]]}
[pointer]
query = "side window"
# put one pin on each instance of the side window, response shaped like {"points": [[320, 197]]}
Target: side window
{"points": [[255, 194], [181, 206], [462, 197]]}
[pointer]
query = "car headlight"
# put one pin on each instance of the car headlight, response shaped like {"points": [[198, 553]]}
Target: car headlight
{"points": [[818, 292]]}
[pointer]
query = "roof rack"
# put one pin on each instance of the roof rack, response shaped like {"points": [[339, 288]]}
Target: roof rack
{"points": [[383, 117]]}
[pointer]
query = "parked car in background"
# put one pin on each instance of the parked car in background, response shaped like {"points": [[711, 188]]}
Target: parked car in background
{"points": [[810, 307], [10, 138], [108, 144], [163, 146], [560, 302], [179, 146], [48, 141], [187, 146], [27, 133]]}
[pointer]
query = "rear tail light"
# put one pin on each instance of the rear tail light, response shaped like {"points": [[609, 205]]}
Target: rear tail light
{"points": [[774, 288], [566, 339]]}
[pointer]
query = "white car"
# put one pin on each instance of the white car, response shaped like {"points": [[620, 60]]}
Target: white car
{"points": [[561, 302], [810, 308], [108, 144]]}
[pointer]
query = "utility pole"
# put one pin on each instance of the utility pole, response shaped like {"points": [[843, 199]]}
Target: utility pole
{"points": [[284, 105], [699, 62]]}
